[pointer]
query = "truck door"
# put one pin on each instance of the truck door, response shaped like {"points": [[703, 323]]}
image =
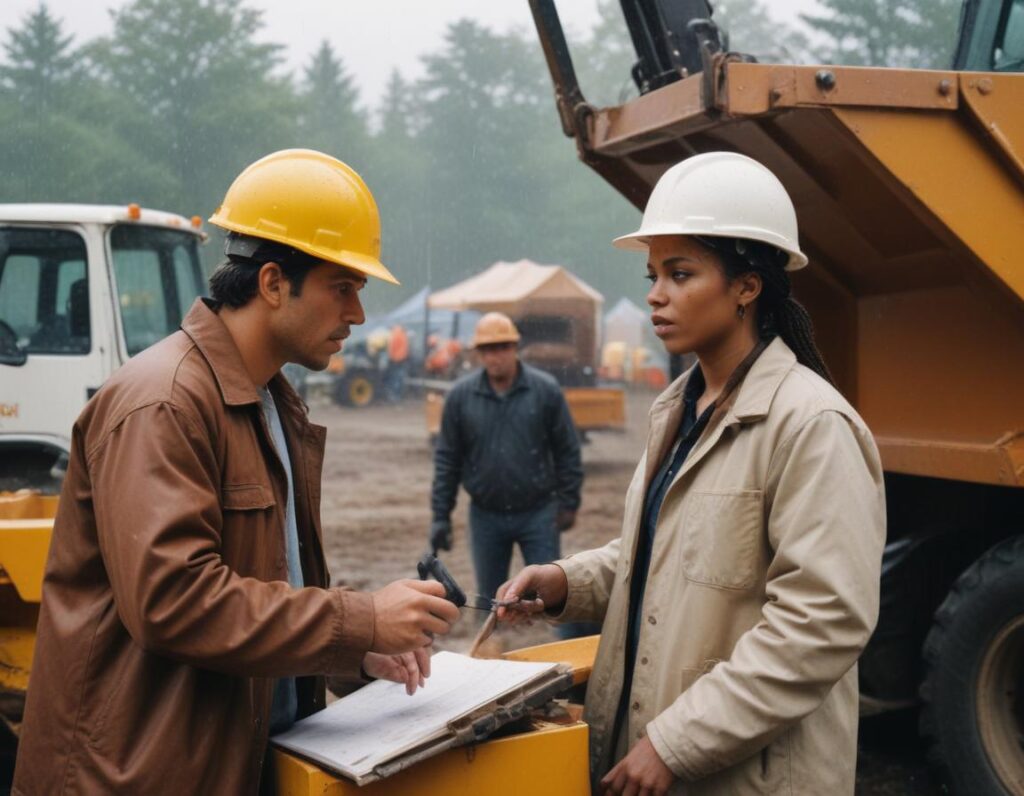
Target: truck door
{"points": [[157, 277], [45, 290]]}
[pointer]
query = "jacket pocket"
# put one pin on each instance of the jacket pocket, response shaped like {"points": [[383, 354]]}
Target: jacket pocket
{"points": [[244, 497], [722, 534]]}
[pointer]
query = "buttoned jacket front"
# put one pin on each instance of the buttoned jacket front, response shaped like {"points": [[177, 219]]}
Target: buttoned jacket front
{"points": [[762, 591]]}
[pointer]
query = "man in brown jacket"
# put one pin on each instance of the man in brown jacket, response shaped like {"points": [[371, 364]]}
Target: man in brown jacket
{"points": [[185, 602]]}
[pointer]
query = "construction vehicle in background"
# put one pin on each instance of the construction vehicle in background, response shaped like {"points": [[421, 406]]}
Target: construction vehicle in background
{"points": [[909, 189], [355, 376], [82, 289]]}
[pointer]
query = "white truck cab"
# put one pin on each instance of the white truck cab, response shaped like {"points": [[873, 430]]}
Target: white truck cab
{"points": [[82, 289]]}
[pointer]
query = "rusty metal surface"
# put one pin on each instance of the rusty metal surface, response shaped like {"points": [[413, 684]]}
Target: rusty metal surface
{"points": [[661, 115], [758, 88], [997, 103]]}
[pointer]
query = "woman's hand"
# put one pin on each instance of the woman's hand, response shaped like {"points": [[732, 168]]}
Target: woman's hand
{"points": [[411, 668], [535, 589], [642, 771]]}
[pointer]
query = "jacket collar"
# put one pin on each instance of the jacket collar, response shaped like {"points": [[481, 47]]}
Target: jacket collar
{"points": [[757, 390], [747, 401], [214, 342], [752, 398]]}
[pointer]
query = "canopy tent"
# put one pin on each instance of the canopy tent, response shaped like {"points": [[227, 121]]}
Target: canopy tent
{"points": [[558, 314], [626, 323], [505, 287]]}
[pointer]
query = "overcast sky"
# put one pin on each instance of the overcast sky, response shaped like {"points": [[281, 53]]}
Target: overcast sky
{"points": [[373, 38]]}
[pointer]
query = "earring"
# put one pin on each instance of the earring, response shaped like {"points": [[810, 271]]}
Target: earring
{"points": [[741, 311]]}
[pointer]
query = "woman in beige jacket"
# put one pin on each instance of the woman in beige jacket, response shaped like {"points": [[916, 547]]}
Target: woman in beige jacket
{"points": [[744, 584]]}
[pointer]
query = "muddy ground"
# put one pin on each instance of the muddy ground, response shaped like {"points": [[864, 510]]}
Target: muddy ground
{"points": [[376, 514]]}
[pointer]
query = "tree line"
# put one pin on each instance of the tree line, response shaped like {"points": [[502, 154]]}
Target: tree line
{"points": [[468, 162]]}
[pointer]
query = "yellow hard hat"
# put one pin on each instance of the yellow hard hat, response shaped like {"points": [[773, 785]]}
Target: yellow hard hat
{"points": [[311, 202], [495, 327]]}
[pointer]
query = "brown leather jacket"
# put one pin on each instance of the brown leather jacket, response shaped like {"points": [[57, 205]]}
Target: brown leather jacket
{"points": [[166, 611]]}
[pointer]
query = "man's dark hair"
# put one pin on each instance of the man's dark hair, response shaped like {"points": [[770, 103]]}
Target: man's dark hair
{"points": [[236, 280]]}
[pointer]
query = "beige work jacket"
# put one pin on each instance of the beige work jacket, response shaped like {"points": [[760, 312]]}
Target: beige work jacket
{"points": [[761, 593]]}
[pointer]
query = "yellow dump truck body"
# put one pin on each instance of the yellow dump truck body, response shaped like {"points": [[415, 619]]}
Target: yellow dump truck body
{"points": [[909, 187], [26, 523]]}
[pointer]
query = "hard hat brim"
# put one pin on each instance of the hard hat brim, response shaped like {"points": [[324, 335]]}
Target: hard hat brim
{"points": [[364, 264], [494, 340], [640, 241]]}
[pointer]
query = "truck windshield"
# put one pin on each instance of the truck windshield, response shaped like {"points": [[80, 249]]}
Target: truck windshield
{"points": [[158, 277], [44, 290]]}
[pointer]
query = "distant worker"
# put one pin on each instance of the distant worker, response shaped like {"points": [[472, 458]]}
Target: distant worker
{"points": [[186, 612], [444, 357], [398, 363], [507, 436], [746, 580]]}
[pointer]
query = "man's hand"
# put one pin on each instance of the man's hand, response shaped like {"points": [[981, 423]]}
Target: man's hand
{"points": [[407, 614], [641, 771], [441, 535], [411, 668], [543, 586], [565, 519]]}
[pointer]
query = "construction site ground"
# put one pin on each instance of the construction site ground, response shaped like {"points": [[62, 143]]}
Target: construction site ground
{"points": [[376, 494]]}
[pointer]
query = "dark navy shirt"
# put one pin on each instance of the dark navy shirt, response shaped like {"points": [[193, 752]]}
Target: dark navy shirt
{"points": [[690, 429]]}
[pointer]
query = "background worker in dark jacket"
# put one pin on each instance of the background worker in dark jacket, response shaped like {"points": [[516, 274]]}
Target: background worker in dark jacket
{"points": [[507, 436]]}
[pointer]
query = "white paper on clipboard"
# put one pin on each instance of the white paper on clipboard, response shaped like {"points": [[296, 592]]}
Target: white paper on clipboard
{"points": [[380, 722]]}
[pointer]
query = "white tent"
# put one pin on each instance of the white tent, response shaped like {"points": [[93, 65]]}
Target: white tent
{"points": [[626, 323]]}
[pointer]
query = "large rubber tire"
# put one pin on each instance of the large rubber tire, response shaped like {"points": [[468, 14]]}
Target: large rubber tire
{"points": [[356, 390], [973, 692]]}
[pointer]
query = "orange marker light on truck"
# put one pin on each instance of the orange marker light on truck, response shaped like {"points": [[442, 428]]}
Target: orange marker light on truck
{"points": [[134, 212], [197, 222]]}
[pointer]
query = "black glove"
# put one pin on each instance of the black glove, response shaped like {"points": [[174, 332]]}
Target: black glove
{"points": [[441, 535], [565, 519]]}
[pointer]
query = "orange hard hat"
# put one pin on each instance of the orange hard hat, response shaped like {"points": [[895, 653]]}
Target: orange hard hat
{"points": [[495, 327]]}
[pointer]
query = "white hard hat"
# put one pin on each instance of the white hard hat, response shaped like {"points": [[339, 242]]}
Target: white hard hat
{"points": [[721, 194]]}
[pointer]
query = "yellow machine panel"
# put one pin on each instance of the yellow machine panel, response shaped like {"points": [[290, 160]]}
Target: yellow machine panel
{"points": [[545, 762]]}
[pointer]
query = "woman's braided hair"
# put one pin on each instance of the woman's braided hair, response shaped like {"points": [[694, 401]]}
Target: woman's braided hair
{"points": [[778, 313]]}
